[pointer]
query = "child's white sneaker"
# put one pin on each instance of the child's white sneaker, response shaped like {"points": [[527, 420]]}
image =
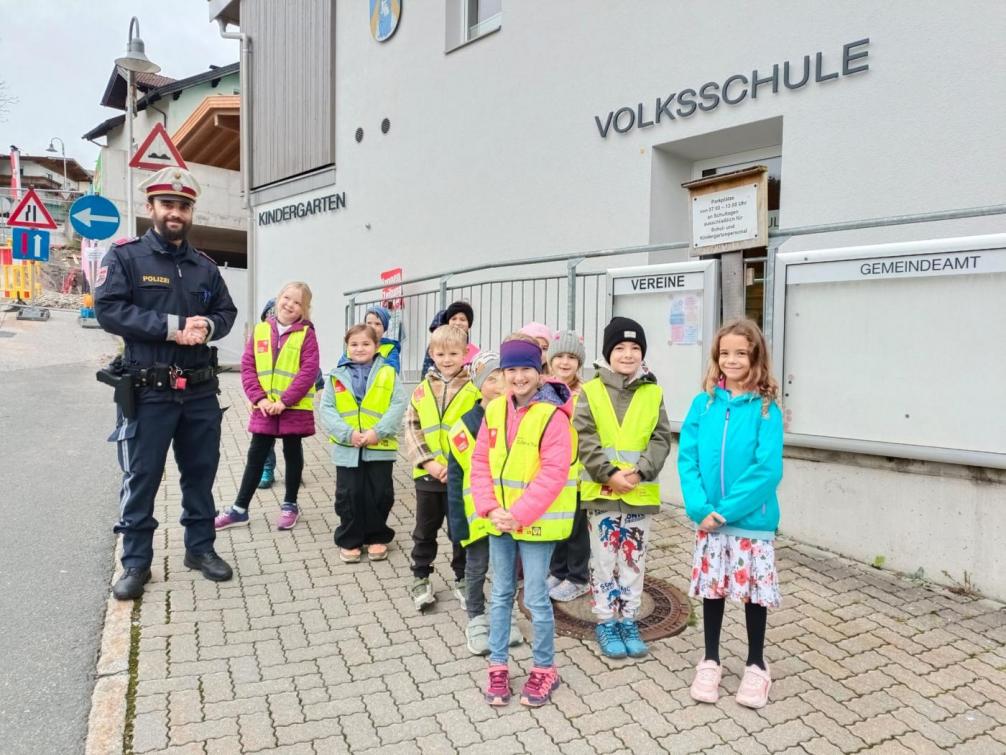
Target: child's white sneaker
{"points": [[477, 635], [422, 593]]}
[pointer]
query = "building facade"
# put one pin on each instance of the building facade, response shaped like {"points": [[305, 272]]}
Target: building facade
{"points": [[482, 133]]}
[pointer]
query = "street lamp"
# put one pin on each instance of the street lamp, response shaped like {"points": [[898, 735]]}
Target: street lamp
{"points": [[62, 151], [133, 62]]}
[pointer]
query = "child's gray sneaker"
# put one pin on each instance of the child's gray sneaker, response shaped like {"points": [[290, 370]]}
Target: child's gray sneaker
{"points": [[477, 634], [422, 593], [566, 591]]}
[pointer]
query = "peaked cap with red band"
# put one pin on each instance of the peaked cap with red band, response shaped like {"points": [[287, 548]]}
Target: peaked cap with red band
{"points": [[172, 182]]}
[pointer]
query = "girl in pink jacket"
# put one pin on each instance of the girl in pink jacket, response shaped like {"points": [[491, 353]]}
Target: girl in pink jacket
{"points": [[545, 477], [282, 412]]}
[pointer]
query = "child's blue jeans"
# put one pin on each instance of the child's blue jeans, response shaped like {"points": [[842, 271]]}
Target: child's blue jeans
{"points": [[535, 556]]}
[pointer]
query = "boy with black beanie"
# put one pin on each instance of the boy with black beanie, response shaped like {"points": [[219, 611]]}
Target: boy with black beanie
{"points": [[624, 440]]}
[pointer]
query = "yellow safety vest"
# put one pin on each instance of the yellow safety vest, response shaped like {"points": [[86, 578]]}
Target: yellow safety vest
{"points": [[276, 378], [435, 424], [513, 467], [462, 446], [623, 444], [368, 413]]}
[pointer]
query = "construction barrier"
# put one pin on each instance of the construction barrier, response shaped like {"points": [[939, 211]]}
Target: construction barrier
{"points": [[19, 280]]}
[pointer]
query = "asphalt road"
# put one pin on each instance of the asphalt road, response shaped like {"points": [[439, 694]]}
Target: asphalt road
{"points": [[58, 500]]}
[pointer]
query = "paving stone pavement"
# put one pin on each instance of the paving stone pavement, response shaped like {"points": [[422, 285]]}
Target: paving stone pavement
{"points": [[301, 653]]}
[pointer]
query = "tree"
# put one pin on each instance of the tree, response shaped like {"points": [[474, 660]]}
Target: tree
{"points": [[6, 100]]}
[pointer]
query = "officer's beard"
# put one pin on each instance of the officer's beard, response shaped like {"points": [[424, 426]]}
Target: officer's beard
{"points": [[173, 235]]}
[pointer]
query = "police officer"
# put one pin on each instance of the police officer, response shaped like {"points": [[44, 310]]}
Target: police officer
{"points": [[167, 300]]}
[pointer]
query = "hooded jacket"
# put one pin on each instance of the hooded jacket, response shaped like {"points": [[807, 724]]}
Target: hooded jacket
{"points": [[730, 462], [336, 426], [290, 421], [555, 451], [620, 390]]}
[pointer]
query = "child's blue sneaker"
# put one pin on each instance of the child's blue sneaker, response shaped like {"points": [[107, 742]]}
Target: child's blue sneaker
{"points": [[634, 644], [610, 639], [268, 476]]}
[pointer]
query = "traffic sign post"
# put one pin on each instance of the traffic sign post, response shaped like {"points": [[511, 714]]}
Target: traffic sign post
{"points": [[30, 244], [30, 212], [94, 217]]}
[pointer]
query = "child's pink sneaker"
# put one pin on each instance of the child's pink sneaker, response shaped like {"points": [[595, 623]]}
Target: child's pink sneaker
{"points": [[753, 692], [288, 516], [539, 686], [498, 690], [706, 684]]}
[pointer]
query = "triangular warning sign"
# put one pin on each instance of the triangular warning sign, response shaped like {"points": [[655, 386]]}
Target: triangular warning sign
{"points": [[31, 213], [157, 151]]}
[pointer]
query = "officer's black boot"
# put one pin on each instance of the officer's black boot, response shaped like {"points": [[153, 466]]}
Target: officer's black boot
{"points": [[130, 585], [211, 565]]}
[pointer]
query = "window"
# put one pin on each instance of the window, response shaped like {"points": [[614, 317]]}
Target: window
{"points": [[467, 20]]}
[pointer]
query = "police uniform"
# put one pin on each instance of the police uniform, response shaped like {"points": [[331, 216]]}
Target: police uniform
{"points": [[144, 291]]}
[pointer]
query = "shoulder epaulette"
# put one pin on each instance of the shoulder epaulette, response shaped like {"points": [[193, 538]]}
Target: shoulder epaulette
{"points": [[125, 240], [204, 254]]}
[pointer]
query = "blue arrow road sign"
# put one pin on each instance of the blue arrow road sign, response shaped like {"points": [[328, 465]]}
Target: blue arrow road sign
{"points": [[94, 217], [30, 244]]}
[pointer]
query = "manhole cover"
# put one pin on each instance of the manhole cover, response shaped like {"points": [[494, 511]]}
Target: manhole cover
{"points": [[664, 613]]}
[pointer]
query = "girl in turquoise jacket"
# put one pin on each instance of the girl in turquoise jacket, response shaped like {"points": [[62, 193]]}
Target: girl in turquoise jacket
{"points": [[730, 464]]}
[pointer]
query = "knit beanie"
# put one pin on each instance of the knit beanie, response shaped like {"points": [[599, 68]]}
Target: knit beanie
{"points": [[520, 354], [383, 315], [459, 308], [622, 329], [482, 366], [538, 330], [567, 342]]}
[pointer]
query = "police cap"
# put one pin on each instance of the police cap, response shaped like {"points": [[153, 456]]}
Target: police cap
{"points": [[172, 182]]}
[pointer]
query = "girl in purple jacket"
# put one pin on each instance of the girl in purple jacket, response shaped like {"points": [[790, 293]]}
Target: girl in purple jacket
{"points": [[280, 404]]}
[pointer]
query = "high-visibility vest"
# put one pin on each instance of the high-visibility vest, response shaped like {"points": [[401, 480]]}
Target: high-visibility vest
{"points": [[366, 414], [514, 466], [385, 349], [462, 446], [624, 443], [276, 378], [434, 423]]}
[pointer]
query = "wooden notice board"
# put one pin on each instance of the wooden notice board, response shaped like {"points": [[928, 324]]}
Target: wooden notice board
{"points": [[729, 211]]}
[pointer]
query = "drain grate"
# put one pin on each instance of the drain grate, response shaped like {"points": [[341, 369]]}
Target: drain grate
{"points": [[663, 613]]}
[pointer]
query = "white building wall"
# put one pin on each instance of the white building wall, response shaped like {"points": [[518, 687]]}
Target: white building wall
{"points": [[493, 153]]}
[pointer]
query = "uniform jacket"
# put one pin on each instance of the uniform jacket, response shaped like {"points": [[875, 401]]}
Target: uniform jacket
{"points": [[145, 290], [620, 389], [444, 390], [334, 425], [457, 522], [555, 451], [290, 421], [730, 462]]}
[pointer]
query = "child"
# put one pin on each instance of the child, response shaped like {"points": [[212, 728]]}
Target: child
{"points": [[624, 441], [569, 576], [283, 346], [437, 403], [361, 410], [435, 323], [543, 335], [463, 524], [523, 481], [729, 483], [390, 349], [461, 314]]}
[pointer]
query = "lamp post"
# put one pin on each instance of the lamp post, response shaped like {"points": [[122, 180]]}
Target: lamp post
{"points": [[133, 62], [62, 151]]}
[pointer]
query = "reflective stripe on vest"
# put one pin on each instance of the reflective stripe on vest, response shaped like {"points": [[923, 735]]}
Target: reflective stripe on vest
{"points": [[368, 413], [276, 378], [462, 446], [514, 466], [436, 424], [623, 444]]}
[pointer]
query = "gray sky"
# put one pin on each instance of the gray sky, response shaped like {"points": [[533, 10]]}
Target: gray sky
{"points": [[56, 57]]}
